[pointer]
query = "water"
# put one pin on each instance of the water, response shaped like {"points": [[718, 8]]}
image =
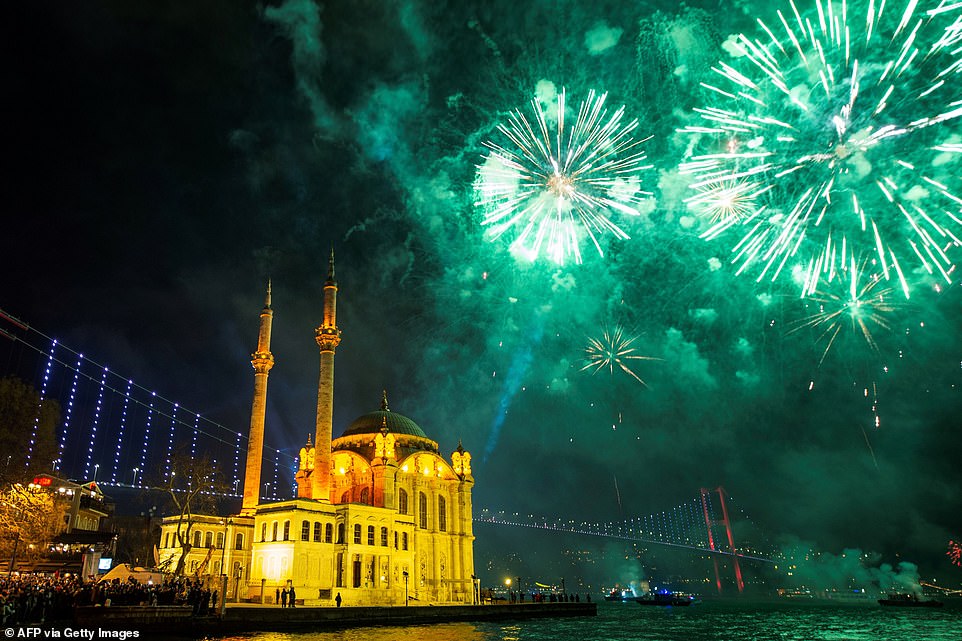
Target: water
{"points": [[708, 621]]}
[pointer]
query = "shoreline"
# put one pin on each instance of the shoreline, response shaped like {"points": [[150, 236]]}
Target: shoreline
{"points": [[177, 620]]}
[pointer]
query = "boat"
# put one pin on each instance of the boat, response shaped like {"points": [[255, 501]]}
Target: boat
{"points": [[666, 599], [909, 601], [620, 595]]}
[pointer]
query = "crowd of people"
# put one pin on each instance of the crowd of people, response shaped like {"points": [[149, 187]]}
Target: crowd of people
{"points": [[491, 596], [41, 599]]}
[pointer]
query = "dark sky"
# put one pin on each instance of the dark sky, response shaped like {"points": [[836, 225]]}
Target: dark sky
{"points": [[164, 159]]}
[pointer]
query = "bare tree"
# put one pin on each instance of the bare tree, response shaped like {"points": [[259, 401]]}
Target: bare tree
{"points": [[192, 485]]}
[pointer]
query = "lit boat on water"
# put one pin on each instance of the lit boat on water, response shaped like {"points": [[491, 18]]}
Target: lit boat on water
{"points": [[620, 595], [666, 599], [909, 601]]}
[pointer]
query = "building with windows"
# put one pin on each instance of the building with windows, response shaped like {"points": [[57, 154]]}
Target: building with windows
{"points": [[81, 540], [380, 516], [85, 503], [220, 546]]}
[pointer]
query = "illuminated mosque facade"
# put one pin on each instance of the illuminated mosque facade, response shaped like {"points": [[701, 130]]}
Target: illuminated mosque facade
{"points": [[380, 517]]}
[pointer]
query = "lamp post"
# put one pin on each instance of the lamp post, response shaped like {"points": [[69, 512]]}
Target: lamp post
{"points": [[223, 549], [223, 571], [136, 470], [96, 469], [405, 573]]}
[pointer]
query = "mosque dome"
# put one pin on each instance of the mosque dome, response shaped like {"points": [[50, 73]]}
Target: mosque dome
{"points": [[374, 422]]}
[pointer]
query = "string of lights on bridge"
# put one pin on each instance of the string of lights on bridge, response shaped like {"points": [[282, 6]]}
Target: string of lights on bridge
{"points": [[683, 526], [98, 403]]}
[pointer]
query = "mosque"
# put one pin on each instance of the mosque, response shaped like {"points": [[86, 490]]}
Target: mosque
{"points": [[380, 517]]}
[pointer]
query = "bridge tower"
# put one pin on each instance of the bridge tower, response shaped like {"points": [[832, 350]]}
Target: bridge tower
{"points": [[710, 523]]}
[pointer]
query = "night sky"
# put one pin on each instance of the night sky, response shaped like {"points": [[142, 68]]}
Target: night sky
{"points": [[165, 159]]}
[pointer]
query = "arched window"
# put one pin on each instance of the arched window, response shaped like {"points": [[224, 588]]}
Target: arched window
{"points": [[263, 531], [328, 528], [366, 496], [220, 540], [340, 533], [384, 536], [357, 533], [317, 531], [196, 539], [422, 510], [305, 530], [287, 530], [274, 531], [208, 539], [239, 542], [442, 514], [344, 497], [402, 501], [370, 535]]}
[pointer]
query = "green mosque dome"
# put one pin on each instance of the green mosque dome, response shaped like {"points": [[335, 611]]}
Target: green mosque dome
{"points": [[374, 422]]}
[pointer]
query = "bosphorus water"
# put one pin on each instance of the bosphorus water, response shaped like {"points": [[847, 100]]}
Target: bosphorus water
{"points": [[708, 621]]}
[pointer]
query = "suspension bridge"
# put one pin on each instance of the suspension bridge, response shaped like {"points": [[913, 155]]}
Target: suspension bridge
{"points": [[701, 524], [118, 433]]}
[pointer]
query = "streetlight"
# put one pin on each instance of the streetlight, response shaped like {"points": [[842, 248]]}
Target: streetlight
{"points": [[136, 469], [507, 589], [223, 570], [405, 573], [223, 549], [96, 468]]}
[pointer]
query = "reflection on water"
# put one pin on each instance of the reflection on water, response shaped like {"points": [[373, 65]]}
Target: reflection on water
{"points": [[435, 632], [709, 621]]}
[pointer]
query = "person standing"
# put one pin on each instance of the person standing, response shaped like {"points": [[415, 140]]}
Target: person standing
{"points": [[337, 599], [277, 595], [290, 597], [284, 598]]}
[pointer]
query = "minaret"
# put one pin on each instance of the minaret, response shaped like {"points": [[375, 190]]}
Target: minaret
{"points": [[328, 336], [263, 361]]}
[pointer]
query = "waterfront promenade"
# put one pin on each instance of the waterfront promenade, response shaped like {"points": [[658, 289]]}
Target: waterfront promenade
{"points": [[255, 617]]}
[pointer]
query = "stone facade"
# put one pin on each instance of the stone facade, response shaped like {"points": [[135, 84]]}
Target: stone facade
{"points": [[380, 516]]}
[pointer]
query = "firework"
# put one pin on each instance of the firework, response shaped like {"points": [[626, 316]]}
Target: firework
{"points": [[614, 349], [955, 552], [849, 301], [837, 133], [726, 201], [946, 6], [554, 186]]}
